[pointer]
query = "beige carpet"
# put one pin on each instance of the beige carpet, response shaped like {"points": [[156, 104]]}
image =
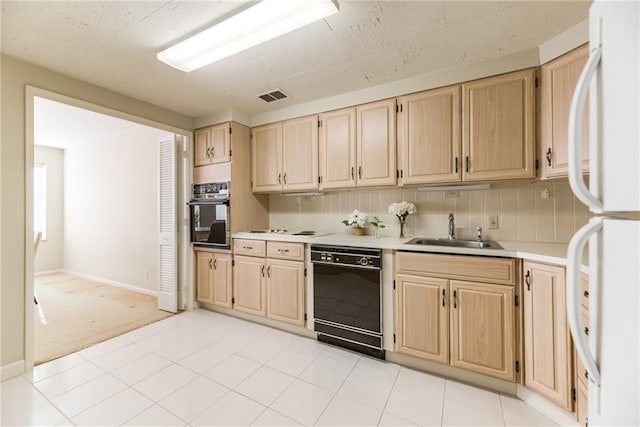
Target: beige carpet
{"points": [[81, 312]]}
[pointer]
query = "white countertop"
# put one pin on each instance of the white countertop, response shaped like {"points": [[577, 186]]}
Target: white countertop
{"points": [[553, 253]]}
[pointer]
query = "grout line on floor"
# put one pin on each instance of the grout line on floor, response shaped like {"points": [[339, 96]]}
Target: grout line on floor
{"points": [[444, 401]]}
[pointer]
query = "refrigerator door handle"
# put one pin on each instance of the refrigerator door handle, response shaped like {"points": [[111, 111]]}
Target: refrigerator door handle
{"points": [[574, 296], [576, 113]]}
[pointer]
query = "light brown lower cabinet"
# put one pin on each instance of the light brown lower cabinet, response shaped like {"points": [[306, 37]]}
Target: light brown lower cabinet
{"points": [[285, 291], [469, 325], [213, 281], [270, 287], [547, 341], [249, 285], [482, 328], [423, 317]]}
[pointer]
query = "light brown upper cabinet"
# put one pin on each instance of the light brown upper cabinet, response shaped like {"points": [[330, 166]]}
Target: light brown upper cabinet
{"points": [[498, 127], [430, 140], [212, 145], [558, 83], [338, 149], [376, 144], [285, 156], [547, 340]]}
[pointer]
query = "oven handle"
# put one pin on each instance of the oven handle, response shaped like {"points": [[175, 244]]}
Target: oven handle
{"points": [[208, 202]]}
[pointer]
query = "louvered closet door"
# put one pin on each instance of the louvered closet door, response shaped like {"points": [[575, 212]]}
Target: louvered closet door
{"points": [[168, 291]]}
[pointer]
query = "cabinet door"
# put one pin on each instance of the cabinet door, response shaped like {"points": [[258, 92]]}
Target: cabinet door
{"points": [[222, 286], [300, 154], [498, 127], [558, 83], [338, 149], [285, 291], [220, 137], [249, 285], [266, 158], [202, 147], [376, 143], [482, 328], [422, 317], [432, 139], [547, 345], [204, 277]]}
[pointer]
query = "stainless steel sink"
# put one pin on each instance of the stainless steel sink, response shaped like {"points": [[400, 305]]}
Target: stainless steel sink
{"points": [[485, 244]]}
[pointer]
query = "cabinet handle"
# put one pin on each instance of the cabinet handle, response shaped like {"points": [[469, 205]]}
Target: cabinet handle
{"points": [[284, 177], [262, 270], [586, 294], [215, 264], [443, 296], [455, 163], [208, 152], [548, 155], [269, 272], [283, 251], [360, 172], [210, 263], [455, 300], [213, 151], [586, 330], [279, 178], [353, 173], [466, 160], [249, 248], [527, 280]]}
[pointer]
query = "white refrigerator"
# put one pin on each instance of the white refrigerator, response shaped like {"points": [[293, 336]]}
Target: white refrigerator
{"points": [[611, 76]]}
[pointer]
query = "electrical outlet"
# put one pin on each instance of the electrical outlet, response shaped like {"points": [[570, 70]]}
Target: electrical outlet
{"points": [[545, 193], [493, 222]]}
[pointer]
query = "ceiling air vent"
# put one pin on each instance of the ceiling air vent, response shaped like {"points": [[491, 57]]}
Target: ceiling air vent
{"points": [[272, 96]]}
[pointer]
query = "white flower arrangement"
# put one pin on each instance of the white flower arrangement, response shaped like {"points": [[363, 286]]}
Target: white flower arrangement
{"points": [[356, 219], [402, 209]]}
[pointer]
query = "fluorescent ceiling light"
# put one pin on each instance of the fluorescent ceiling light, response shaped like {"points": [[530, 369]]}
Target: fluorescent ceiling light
{"points": [[264, 21]]}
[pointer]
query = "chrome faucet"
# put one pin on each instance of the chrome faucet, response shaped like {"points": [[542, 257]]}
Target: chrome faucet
{"points": [[479, 234], [452, 227]]}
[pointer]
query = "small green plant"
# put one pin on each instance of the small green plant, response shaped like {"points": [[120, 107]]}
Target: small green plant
{"points": [[377, 222]]}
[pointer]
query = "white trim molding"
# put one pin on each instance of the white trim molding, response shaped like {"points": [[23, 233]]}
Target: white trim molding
{"points": [[12, 370], [110, 282]]}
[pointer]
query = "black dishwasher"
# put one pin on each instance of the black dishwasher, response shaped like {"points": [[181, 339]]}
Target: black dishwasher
{"points": [[347, 297]]}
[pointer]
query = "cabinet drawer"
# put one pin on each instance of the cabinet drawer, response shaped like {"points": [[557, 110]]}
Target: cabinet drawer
{"points": [[485, 269], [285, 250], [585, 290], [249, 247]]}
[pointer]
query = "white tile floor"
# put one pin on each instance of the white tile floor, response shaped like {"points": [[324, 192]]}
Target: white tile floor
{"points": [[201, 368]]}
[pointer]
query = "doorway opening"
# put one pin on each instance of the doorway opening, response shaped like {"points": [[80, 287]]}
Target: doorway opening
{"points": [[111, 186]]}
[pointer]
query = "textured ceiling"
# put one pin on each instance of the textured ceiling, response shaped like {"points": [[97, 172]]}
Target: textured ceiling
{"points": [[113, 44]]}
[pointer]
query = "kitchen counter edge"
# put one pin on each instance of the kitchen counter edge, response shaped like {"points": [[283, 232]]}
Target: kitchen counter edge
{"points": [[552, 253]]}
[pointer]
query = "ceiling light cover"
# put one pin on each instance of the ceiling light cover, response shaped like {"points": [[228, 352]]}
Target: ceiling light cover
{"points": [[266, 20]]}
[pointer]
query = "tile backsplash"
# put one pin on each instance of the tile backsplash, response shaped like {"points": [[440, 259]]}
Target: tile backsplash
{"points": [[524, 213]]}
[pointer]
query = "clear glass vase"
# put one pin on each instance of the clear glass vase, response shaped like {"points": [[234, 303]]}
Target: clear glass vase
{"points": [[402, 221]]}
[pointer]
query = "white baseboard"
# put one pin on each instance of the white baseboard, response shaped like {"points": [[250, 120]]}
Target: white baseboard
{"points": [[44, 273], [11, 370], [113, 283], [547, 408]]}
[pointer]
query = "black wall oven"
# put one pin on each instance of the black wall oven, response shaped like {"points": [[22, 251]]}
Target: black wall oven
{"points": [[210, 215], [347, 297]]}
